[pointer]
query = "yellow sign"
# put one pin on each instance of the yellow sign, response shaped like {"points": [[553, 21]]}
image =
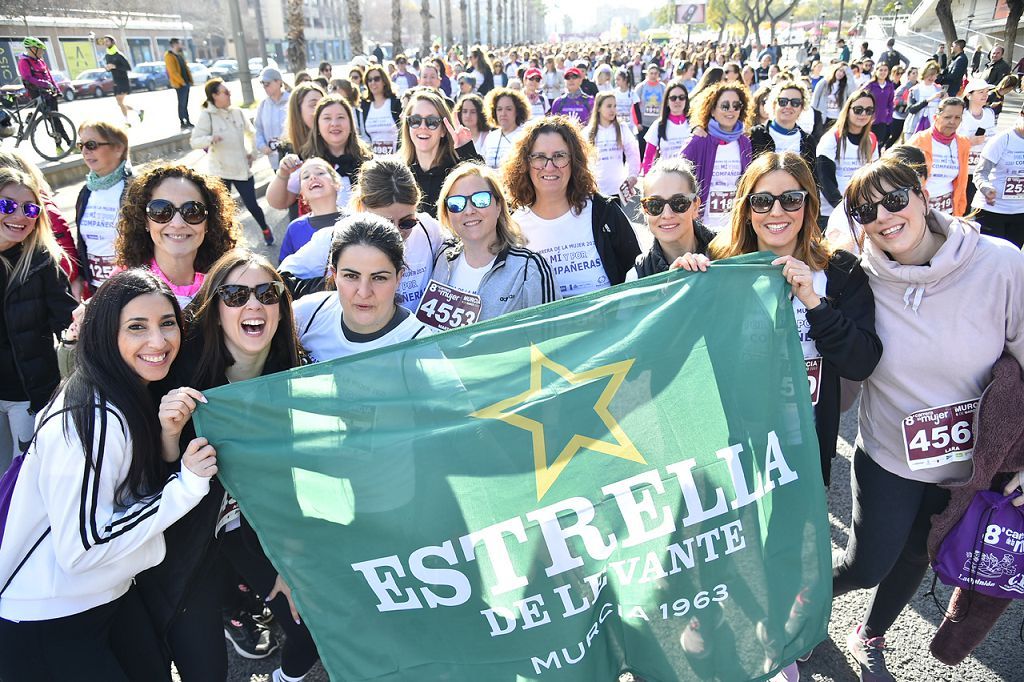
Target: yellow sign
{"points": [[508, 411], [79, 56]]}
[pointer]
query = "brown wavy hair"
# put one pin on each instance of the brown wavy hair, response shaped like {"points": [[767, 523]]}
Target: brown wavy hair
{"points": [[519, 100], [134, 246], [709, 100], [516, 169], [295, 131], [445, 154], [315, 145], [203, 320], [811, 248], [389, 92]]}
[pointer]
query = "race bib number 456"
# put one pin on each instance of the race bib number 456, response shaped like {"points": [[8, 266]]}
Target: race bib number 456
{"points": [[940, 435], [443, 307]]}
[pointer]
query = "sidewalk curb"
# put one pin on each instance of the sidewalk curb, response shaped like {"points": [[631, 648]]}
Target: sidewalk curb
{"points": [[63, 173]]}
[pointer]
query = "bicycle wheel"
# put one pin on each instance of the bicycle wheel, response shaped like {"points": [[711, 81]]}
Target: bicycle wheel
{"points": [[47, 139]]}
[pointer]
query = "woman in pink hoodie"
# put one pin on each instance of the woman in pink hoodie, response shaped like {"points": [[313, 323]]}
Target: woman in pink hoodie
{"points": [[948, 301]]}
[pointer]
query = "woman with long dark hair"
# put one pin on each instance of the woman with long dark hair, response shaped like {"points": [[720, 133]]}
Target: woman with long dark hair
{"points": [[669, 134], [93, 498], [843, 149], [382, 111]]}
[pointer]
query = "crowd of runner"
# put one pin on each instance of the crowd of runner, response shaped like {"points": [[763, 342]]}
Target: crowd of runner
{"points": [[504, 178]]}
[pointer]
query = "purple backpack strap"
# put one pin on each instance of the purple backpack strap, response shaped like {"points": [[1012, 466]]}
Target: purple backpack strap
{"points": [[7, 482]]}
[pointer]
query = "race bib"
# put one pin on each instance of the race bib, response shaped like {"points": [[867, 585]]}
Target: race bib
{"points": [[652, 110], [383, 148], [100, 269], [720, 202], [229, 517], [940, 435], [443, 307], [1014, 188], [942, 203], [973, 158], [814, 377], [626, 194]]}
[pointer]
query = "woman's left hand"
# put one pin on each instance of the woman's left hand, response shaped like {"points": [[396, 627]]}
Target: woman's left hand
{"points": [[1014, 485], [460, 134], [176, 409], [281, 587], [800, 278]]}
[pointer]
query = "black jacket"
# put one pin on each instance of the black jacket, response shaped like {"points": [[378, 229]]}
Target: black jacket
{"points": [[614, 238], [80, 205], [35, 309], [654, 261], [430, 181], [761, 140], [844, 331], [996, 72], [953, 75]]}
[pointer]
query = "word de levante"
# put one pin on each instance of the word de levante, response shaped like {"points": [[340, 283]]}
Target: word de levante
{"points": [[620, 481]]}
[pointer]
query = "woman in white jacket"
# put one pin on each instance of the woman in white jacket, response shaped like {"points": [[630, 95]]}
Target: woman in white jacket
{"points": [[93, 497], [224, 131]]}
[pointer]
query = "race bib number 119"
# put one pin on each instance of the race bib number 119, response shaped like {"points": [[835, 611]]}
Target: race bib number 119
{"points": [[443, 307]]}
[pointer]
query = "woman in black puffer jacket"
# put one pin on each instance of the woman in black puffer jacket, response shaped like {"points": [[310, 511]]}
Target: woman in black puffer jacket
{"points": [[35, 304]]}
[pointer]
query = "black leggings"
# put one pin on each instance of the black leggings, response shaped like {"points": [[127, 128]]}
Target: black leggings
{"points": [[247, 192], [1003, 225], [887, 547], [114, 642]]}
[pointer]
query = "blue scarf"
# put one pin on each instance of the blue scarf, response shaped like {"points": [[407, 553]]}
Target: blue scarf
{"points": [[716, 131], [782, 131]]}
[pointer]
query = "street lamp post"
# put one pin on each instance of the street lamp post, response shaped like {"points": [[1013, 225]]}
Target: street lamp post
{"points": [[821, 26], [895, 15]]}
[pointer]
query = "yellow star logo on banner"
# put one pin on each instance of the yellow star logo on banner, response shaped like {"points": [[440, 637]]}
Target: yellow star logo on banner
{"points": [[507, 411]]}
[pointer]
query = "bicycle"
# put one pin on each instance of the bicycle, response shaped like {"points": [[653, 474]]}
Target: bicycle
{"points": [[46, 138]]}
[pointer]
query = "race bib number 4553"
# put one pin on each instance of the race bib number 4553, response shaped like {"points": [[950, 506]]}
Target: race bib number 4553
{"points": [[940, 435], [443, 307]]}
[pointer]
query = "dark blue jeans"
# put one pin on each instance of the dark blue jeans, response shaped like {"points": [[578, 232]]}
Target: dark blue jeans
{"points": [[182, 94]]}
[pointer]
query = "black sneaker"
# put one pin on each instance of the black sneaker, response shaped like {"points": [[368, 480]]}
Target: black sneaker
{"points": [[251, 640]]}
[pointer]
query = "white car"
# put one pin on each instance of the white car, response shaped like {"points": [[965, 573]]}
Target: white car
{"points": [[256, 65], [200, 74]]}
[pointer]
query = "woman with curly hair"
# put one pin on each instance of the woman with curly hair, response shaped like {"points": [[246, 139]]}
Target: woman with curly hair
{"points": [[177, 222], [585, 236], [723, 152], [507, 110]]}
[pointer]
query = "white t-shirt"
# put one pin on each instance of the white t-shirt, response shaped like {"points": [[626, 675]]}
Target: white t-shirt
{"points": [[676, 136], [611, 169], [318, 320], [540, 107], [99, 229], [421, 246], [847, 165], [969, 126], [819, 281], [945, 168], [567, 243], [382, 129], [832, 106], [785, 143], [344, 193], [624, 102], [1006, 151], [498, 145], [722, 187], [843, 232], [467, 278]]}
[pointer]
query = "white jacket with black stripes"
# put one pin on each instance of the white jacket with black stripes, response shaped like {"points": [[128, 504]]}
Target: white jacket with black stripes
{"points": [[518, 279], [67, 545]]}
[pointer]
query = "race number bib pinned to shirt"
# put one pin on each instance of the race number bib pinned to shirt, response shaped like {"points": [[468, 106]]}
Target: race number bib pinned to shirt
{"points": [[443, 307], [814, 377], [940, 435], [1014, 188], [942, 203], [720, 202], [383, 148]]}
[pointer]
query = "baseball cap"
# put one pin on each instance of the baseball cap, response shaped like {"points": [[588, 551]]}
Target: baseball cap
{"points": [[573, 71], [531, 73], [976, 84], [270, 74]]}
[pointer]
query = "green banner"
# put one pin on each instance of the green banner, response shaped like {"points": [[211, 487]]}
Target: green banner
{"points": [[627, 480]]}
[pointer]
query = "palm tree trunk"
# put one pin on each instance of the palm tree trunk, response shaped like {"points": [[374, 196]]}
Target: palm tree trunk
{"points": [[478, 32], [490, 23], [355, 26], [296, 37], [501, 22], [396, 28], [425, 19], [464, 11]]}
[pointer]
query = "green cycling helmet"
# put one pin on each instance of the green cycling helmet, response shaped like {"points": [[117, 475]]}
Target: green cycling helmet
{"points": [[33, 42]]}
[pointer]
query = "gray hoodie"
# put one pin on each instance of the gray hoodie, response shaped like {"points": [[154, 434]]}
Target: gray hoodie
{"points": [[519, 279], [943, 325]]}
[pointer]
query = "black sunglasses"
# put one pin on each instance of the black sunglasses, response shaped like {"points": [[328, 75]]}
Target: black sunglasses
{"points": [[861, 111], [407, 223], [432, 122], [655, 206], [237, 295], [790, 102], [92, 145], [762, 202], [162, 211], [457, 203], [736, 106], [373, 79], [677, 98], [896, 200], [9, 206]]}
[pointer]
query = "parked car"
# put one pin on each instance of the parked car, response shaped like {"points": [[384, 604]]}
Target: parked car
{"points": [[256, 65], [93, 82], [200, 74], [149, 75], [63, 84], [224, 68]]}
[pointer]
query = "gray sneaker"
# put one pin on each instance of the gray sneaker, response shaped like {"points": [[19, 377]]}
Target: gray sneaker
{"points": [[868, 653]]}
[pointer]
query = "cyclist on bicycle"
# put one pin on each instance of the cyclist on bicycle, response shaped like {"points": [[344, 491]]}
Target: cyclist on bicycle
{"points": [[39, 83]]}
